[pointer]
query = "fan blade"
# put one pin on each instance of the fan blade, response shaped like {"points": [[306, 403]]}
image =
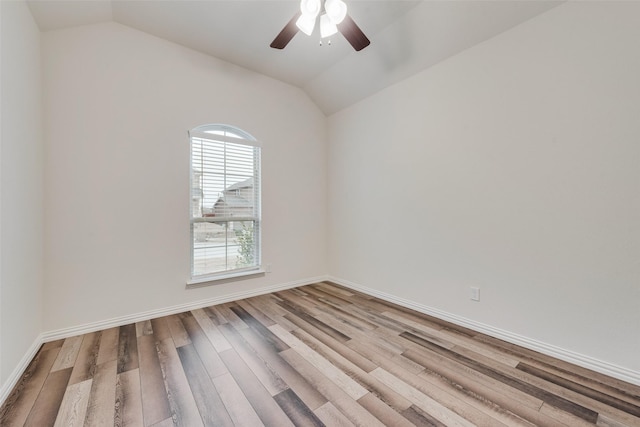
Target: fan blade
{"points": [[287, 33], [353, 33]]}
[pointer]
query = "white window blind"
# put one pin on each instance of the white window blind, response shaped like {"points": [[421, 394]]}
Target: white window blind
{"points": [[225, 201]]}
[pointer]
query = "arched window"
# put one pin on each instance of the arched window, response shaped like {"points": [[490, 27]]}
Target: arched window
{"points": [[225, 202]]}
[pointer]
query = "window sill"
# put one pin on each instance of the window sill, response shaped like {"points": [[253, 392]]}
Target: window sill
{"points": [[201, 281]]}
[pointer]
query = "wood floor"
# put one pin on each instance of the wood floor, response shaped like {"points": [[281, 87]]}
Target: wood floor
{"points": [[315, 355]]}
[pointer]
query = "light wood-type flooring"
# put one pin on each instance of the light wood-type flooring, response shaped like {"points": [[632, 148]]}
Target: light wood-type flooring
{"points": [[316, 355]]}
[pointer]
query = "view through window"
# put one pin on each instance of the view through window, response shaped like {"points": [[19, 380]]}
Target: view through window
{"points": [[225, 201]]}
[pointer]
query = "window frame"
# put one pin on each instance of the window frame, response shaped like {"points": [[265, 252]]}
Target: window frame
{"points": [[219, 133]]}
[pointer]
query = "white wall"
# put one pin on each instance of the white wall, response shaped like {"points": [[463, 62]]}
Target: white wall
{"points": [[21, 187], [118, 105], [513, 166]]}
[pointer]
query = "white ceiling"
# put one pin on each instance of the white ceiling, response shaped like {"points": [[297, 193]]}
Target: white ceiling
{"points": [[406, 36]]}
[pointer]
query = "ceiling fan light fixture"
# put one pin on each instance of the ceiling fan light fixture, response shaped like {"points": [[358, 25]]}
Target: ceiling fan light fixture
{"points": [[336, 10], [306, 24], [334, 19], [327, 27], [311, 8]]}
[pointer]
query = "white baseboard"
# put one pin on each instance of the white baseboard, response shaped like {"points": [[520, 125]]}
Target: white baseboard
{"points": [[180, 308], [15, 376], [588, 362], [9, 384], [551, 350]]}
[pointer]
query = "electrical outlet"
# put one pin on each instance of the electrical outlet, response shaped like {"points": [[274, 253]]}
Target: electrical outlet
{"points": [[475, 293], [267, 268]]}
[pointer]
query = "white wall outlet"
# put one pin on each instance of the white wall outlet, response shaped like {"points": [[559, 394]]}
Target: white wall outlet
{"points": [[267, 268], [475, 293]]}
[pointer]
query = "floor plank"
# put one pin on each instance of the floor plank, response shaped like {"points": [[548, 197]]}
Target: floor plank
{"points": [[315, 355], [370, 383], [127, 348], [19, 403], [210, 406], [73, 407], [296, 410], [68, 353], [85, 364], [144, 328], [108, 345], [46, 407], [182, 402], [160, 329], [548, 397], [261, 369], [235, 401], [299, 384], [389, 416], [208, 354], [340, 399], [178, 333], [421, 400], [128, 401], [155, 404], [100, 407], [212, 332], [330, 416], [262, 402], [346, 383]]}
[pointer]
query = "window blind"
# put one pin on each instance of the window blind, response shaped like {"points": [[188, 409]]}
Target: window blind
{"points": [[225, 208]]}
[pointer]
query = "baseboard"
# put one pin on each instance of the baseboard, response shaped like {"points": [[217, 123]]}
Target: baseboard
{"points": [[15, 376], [180, 308], [605, 368], [7, 387], [588, 362]]}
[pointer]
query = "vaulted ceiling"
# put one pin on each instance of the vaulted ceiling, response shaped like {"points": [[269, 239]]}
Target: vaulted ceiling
{"points": [[406, 36]]}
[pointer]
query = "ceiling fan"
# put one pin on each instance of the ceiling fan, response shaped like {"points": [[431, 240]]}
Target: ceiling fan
{"points": [[334, 18]]}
